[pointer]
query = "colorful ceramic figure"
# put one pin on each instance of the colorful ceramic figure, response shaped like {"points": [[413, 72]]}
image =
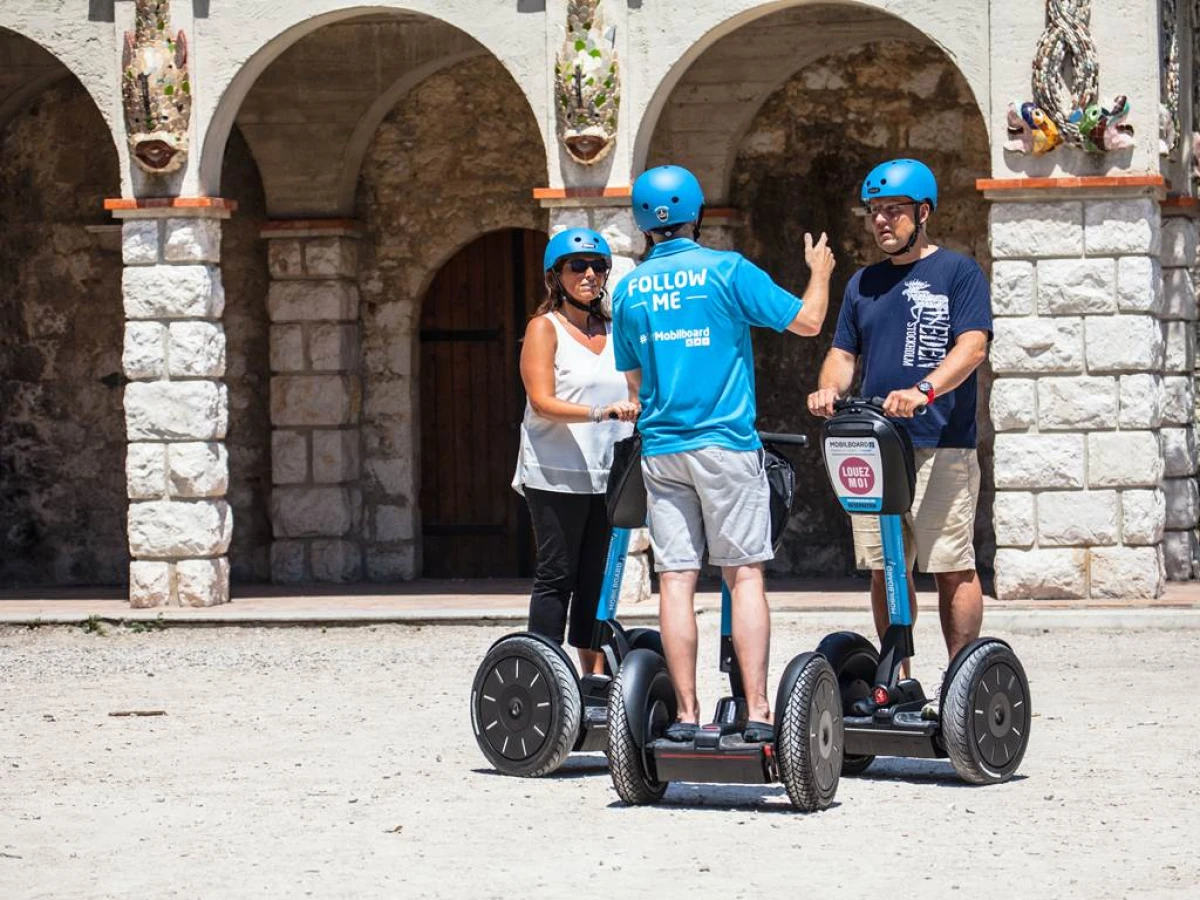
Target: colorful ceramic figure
{"points": [[1020, 135], [587, 84], [1118, 134], [155, 90], [1046, 135]]}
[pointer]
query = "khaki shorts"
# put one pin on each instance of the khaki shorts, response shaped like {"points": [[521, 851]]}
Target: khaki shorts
{"points": [[939, 530], [710, 497]]}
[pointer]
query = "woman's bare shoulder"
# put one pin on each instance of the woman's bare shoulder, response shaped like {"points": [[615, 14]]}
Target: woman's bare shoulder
{"points": [[540, 328]]}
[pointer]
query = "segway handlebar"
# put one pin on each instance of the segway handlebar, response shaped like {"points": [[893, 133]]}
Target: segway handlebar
{"points": [[852, 402], [794, 440], [875, 403]]}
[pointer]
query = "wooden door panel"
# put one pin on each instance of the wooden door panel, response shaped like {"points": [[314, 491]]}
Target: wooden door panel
{"points": [[474, 525]]}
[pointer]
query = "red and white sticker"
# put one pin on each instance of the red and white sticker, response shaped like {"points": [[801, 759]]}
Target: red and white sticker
{"points": [[854, 466]]}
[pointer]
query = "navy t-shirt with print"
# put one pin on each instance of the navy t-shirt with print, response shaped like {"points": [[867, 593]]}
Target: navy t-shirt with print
{"points": [[902, 321]]}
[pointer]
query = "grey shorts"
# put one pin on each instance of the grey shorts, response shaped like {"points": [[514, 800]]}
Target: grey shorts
{"points": [[712, 497]]}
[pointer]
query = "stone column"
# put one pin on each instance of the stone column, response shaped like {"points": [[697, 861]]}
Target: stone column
{"points": [[1079, 400], [316, 401], [612, 217], [1178, 433], [176, 405]]}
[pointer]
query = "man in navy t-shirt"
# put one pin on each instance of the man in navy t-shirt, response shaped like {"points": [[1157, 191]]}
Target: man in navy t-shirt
{"points": [[921, 322]]}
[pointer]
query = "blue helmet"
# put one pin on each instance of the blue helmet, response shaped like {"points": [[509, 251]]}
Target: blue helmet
{"points": [[665, 196], [901, 178], [574, 241]]}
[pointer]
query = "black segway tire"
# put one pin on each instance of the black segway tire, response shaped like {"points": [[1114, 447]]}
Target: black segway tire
{"points": [[854, 660], [809, 732], [641, 704], [985, 713], [525, 706]]}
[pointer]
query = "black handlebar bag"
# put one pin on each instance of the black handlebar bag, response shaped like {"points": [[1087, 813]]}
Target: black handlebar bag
{"points": [[781, 480], [626, 494]]}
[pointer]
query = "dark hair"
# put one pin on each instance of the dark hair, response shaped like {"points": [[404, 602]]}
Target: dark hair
{"points": [[556, 296]]}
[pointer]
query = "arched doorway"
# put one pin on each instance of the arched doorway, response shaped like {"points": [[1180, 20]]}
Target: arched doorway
{"points": [[473, 524], [416, 139], [783, 147]]}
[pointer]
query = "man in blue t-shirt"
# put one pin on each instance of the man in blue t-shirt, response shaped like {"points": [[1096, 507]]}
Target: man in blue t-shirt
{"points": [[921, 322], [681, 333]]}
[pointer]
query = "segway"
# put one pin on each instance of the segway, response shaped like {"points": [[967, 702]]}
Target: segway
{"points": [[529, 710], [983, 722], [806, 754]]}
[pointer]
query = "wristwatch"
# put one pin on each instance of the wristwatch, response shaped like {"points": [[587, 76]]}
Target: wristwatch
{"points": [[927, 389]]}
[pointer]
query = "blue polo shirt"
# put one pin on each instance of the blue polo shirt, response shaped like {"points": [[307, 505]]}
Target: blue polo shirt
{"points": [[683, 317], [902, 321]]}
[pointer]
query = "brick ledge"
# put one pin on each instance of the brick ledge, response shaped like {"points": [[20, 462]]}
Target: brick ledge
{"points": [[571, 193], [1070, 182], [161, 207]]}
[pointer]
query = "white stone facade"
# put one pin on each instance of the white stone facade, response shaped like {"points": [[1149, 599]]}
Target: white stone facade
{"points": [[1093, 403]]}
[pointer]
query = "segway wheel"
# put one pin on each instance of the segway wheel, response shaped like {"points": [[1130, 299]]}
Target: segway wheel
{"points": [[641, 704], [645, 639], [985, 714], [525, 707], [854, 660], [809, 744]]}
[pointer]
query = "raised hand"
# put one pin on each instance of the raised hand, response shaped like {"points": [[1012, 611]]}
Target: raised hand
{"points": [[819, 256]]}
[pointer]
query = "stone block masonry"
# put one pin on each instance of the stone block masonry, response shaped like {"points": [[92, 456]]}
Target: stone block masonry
{"points": [[316, 402], [176, 406], [1179, 543], [1095, 455]]}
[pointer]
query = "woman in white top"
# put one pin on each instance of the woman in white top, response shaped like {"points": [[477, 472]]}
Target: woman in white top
{"points": [[578, 407]]}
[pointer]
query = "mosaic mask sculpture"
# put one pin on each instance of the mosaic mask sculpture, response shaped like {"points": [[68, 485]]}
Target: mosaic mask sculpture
{"points": [[156, 91], [587, 84]]}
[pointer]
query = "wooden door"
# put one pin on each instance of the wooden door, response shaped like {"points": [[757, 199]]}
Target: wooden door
{"points": [[474, 525]]}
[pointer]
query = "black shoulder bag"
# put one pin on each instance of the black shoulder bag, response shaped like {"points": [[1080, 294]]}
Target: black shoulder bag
{"points": [[626, 494]]}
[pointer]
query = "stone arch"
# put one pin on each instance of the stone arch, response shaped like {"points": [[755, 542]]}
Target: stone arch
{"points": [[833, 25], [45, 68], [62, 431], [357, 137], [427, 190], [365, 130], [785, 146]]}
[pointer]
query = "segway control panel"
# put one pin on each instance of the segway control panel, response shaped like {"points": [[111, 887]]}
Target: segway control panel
{"points": [[869, 459]]}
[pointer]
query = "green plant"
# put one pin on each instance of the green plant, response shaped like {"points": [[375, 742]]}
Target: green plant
{"points": [[143, 626], [92, 625]]}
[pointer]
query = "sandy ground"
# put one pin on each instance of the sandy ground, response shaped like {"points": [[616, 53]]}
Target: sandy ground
{"points": [[340, 763]]}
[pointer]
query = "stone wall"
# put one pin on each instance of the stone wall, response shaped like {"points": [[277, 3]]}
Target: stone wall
{"points": [[1178, 433], [799, 168], [247, 372], [458, 157], [62, 432], [1082, 409]]}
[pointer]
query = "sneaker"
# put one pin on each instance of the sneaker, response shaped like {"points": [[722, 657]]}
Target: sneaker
{"points": [[932, 710], [681, 732]]}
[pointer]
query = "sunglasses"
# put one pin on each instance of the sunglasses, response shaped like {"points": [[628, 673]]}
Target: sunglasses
{"points": [[890, 212], [579, 266]]}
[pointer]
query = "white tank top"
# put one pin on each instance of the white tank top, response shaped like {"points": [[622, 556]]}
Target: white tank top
{"points": [[573, 458]]}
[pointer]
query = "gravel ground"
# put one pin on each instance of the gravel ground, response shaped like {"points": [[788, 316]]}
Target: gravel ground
{"points": [[340, 763]]}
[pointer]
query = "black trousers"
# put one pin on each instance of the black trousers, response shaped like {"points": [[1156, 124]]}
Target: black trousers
{"points": [[572, 537]]}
